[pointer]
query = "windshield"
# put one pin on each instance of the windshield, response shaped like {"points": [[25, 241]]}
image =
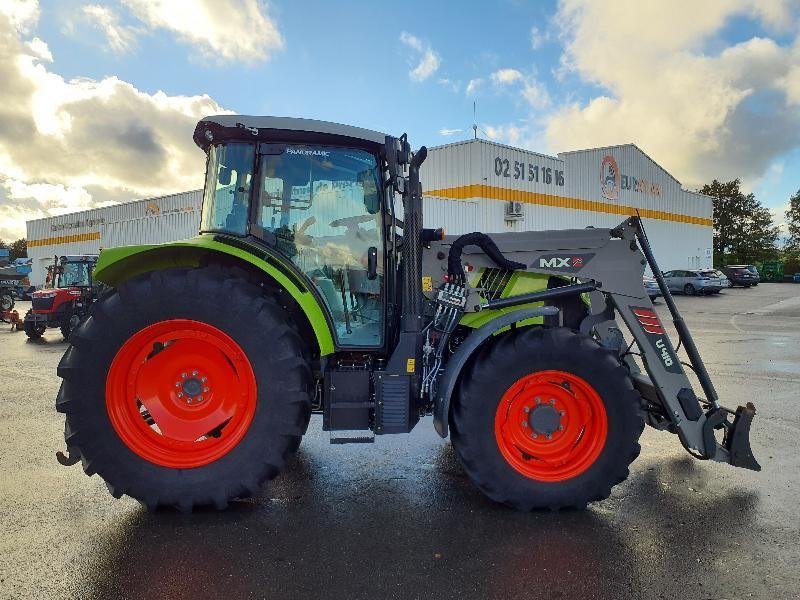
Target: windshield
{"points": [[74, 274], [323, 205]]}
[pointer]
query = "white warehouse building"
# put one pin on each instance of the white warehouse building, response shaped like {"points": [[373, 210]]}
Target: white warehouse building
{"points": [[475, 185]]}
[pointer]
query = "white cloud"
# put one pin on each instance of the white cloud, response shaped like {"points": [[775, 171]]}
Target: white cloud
{"points": [[514, 135], [702, 113], [538, 38], [22, 14], [473, 86], [448, 132], [222, 30], [68, 145], [506, 76], [454, 86], [533, 91], [429, 60], [120, 38]]}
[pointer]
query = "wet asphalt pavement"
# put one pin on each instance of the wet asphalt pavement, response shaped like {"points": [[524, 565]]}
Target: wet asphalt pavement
{"points": [[399, 519]]}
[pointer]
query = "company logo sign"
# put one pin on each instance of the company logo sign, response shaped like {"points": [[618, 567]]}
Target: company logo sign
{"points": [[559, 262], [612, 181], [609, 178]]}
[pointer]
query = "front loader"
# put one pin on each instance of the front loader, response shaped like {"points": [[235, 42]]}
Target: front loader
{"points": [[313, 287]]}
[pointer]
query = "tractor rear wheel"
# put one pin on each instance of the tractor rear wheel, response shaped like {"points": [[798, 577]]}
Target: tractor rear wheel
{"points": [[546, 418], [185, 387], [69, 323]]}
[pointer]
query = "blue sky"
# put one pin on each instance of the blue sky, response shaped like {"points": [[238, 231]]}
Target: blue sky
{"points": [[714, 96]]}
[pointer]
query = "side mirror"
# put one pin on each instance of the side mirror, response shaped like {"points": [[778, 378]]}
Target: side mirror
{"points": [[372, 263]]}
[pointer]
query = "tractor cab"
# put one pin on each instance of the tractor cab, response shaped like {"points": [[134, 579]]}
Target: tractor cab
{"points": [[318, 203]]}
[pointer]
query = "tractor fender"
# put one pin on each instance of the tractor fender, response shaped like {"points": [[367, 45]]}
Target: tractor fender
{"points": [[445, 387], [116, 265]]}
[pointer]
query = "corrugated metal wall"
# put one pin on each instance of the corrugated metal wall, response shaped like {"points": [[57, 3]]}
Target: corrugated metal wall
{"points": [[152, 220]]}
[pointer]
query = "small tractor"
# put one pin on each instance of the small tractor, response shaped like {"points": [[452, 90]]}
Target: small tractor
{"points": [[65, 303], [314, 288]]}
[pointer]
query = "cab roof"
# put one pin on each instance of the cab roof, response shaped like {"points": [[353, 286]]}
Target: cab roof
{"points": [[266, 128]]}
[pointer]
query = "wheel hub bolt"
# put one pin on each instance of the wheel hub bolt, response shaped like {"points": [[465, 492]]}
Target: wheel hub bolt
{"points": [[194, 373], [538, 400], [205, 390], [549, 436], [561, 428], [524, 423], [180, 394], [526, 410], [552, 400], [183, 375], [199, 398], [534, 435]]}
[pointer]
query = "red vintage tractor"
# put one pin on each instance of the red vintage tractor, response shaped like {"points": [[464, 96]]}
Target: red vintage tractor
{"points": [[68, 300]]}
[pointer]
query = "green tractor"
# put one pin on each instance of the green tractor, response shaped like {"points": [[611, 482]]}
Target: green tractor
{"points": [[314, 288]]}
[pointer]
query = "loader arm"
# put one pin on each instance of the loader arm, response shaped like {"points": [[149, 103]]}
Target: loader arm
{"points": [[608, 264]]}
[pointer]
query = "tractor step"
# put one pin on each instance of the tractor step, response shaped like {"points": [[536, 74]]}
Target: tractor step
{"points": [[351, 439]]}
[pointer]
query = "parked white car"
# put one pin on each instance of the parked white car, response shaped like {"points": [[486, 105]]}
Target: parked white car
{"points": [[691, 282]]}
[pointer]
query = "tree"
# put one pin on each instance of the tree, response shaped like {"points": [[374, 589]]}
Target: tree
{"points": [[743, 227], [19, 249], [793, 224]]}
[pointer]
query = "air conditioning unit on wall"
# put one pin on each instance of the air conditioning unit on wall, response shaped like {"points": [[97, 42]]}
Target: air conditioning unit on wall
{"points": [[514, 211]]}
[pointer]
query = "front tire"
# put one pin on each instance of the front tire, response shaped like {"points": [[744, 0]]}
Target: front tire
{"points": [[185, 387], [32, 330], [689, 289], [546, 418]]}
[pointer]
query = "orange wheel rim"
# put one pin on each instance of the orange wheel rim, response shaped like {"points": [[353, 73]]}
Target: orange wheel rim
{"points": [[551, 425], [181, 393]]}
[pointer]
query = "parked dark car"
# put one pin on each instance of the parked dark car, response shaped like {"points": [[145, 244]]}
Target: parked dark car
{"points": [[744, 275], [796, 277]]}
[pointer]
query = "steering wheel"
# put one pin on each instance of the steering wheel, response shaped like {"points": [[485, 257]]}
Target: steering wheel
{"points": [[352, 223]]}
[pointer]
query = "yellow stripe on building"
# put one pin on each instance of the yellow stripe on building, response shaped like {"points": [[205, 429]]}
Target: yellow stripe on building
{"points": [[481, 190], [64, 239]]}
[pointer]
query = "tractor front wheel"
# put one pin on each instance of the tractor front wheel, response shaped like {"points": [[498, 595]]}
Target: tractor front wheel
{"points": [[32, 330], [185, 387], [546, 418]]}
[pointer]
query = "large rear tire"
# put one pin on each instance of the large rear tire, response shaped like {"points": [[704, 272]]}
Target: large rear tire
{"points": [[185, 387], [546, 418]]}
